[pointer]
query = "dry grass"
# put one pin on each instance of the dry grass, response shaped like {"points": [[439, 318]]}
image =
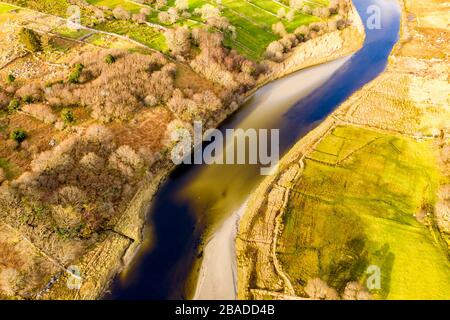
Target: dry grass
{"points": [[148, 130], [23, 270]]}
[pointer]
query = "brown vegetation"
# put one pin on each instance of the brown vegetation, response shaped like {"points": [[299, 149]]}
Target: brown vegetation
{"points": [[116, 91], [222, 65]]}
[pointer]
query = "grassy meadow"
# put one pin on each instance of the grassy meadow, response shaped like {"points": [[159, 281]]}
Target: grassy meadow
{"points": [[4, 8], [363, 200]]}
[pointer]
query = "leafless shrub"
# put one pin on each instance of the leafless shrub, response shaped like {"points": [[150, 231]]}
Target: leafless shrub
{"points": [[121, 14], [279, 29], [288, 42], [306, 9], [200, 106], [296, 4], [355, 291], [71, 196], [92, 162], [8, 281], [444, 192], [99, 134], [275, 51], [150, 101], [281, 13], [182, 4], [442, 212], [302, 33], [41, 112], [180, 106], [321, 12], [178, 40], [169, 17], [220, 23], [160, 3], [319, 290], [56, 159], [31, 90], [145, 11], [126, 161], [139, 17], [208, 11], [217, 63], [248, 67], [186, 14], [334, 6], [74, 178], [4, 99], [66, 216]]}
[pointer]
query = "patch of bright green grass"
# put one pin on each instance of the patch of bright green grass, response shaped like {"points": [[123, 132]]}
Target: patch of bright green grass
{"points": [[253, 23], [99, 39], [71, 33], [252, 19], [253, 26], [127, 5], [343, 218], [4, 8], [142, 33]]}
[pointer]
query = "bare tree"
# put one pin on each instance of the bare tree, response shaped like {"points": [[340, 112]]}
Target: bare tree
{"points": [[178, 40], [278, 29], [281, 13], [182, 4], [355, 291], [121, 14]]}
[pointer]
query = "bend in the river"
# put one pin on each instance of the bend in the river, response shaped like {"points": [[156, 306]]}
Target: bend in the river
{"points": [[199, 196]]}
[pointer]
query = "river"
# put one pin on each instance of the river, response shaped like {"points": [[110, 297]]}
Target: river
{"points": [[199, 199]]}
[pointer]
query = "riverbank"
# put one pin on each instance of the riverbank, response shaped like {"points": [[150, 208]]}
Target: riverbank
{"points": [[406, 101]]}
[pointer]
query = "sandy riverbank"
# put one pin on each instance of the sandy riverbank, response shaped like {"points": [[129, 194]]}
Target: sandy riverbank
{"points": [[217, 276]]}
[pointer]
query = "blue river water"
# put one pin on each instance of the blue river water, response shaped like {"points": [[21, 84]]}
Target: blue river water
{"points": [[193, 194]]}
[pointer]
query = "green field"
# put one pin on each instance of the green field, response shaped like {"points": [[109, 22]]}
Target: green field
{"points": [[354, 206], [6, 8], [55, 7], [71, 33], [144, 34], [128, 5], [253, 21]]}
